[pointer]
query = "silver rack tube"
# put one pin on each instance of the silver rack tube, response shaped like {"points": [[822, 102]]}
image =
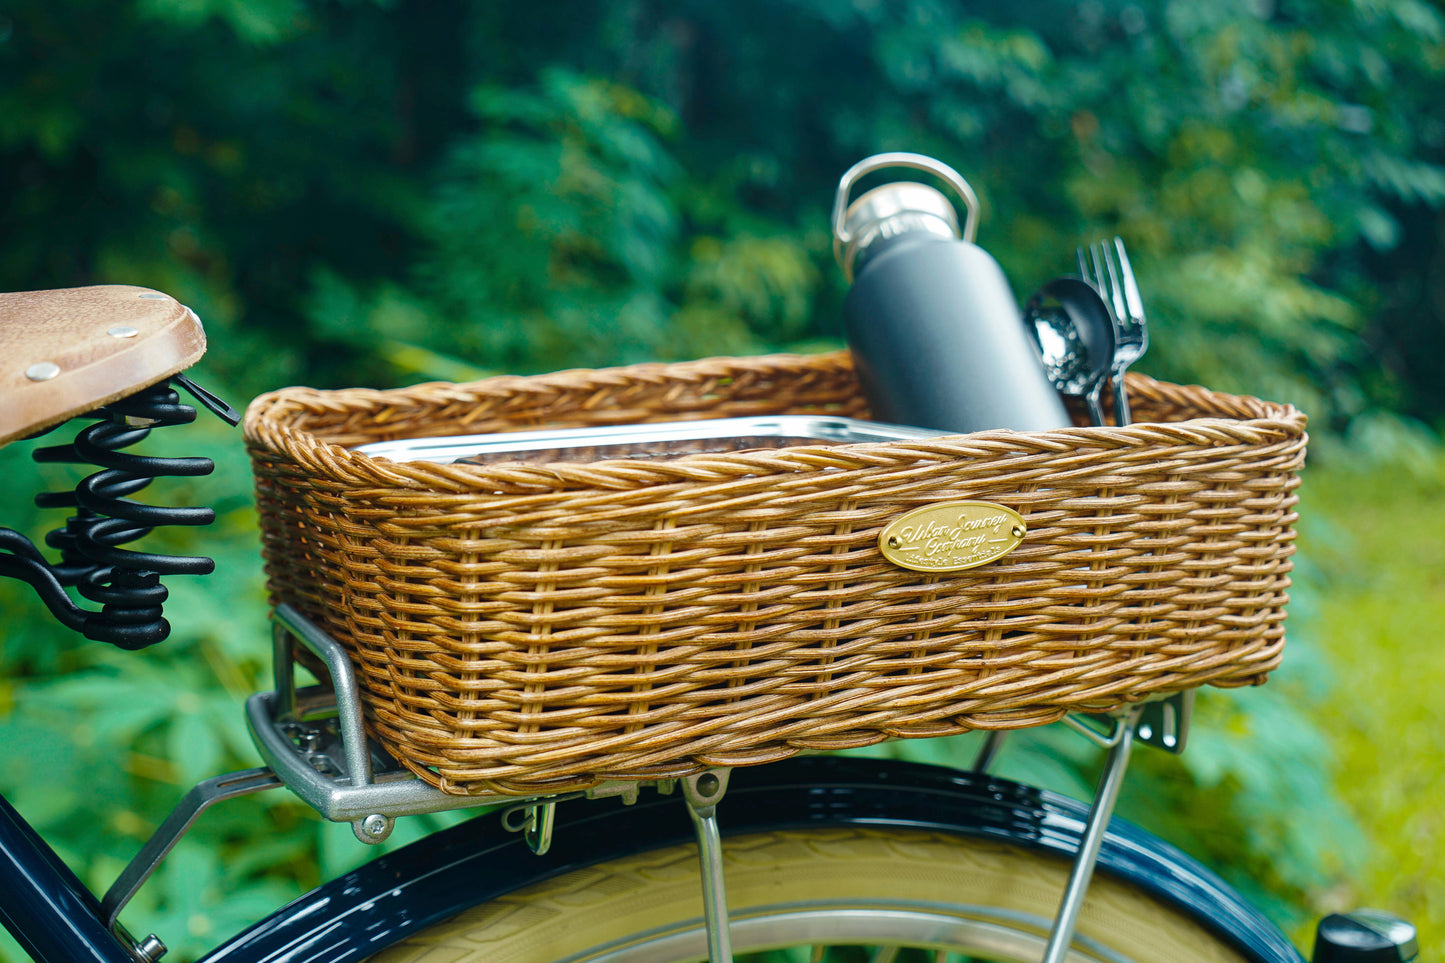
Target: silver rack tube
{"points": [[1120, 742]]}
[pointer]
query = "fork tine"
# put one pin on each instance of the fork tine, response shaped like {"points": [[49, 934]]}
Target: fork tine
{"points": [[1094, 270], [1098, 267], [1131, 286], [1115, 285]]}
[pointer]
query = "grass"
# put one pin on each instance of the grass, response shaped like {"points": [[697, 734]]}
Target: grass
{"points": [[1375, 542]]}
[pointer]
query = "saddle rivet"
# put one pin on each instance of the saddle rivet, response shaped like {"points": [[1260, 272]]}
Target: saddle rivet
{"points": [[42, 371], [123, 331]]}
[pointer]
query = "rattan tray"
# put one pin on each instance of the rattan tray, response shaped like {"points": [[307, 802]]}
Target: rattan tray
{"points": [[534, 628]]}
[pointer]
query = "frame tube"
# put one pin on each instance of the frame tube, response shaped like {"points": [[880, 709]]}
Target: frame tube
{"points": [[45, 907]]}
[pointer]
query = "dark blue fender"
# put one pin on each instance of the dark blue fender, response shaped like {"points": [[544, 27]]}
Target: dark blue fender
{"points": [[401, 893]]}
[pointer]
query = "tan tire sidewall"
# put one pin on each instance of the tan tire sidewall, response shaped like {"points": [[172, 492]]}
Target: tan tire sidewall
{"points": [[592, 907]]}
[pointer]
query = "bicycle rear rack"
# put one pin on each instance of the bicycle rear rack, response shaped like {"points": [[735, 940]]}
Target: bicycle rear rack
{"points": [[314, 742]]}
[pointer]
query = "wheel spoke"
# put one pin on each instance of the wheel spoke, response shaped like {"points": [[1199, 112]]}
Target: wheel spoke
{"points": [[884, 954]]}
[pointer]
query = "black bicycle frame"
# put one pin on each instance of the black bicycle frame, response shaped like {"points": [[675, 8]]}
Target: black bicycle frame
{"points": [[46, 908]]}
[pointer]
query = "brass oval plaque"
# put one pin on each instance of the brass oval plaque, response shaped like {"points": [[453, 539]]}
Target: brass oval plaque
{"points": [[952, 536]]}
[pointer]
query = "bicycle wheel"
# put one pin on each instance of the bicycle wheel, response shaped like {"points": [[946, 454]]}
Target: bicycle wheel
{"points": [[869, 893], [862, 852]]}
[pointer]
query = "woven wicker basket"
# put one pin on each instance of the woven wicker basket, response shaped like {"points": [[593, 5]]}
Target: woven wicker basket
{"points": [[533, 628]]}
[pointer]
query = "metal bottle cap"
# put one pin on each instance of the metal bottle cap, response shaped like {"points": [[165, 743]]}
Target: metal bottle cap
{"points": [[894, 208]]}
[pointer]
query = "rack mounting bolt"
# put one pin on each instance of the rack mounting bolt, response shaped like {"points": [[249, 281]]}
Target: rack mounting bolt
{"points": [[151, 948], [373, 829]]}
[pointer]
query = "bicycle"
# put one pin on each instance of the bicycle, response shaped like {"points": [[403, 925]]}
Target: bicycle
{"points": [[873, 856]]}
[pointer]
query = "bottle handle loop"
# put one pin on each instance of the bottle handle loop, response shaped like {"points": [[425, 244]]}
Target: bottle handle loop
{"points": [[918, 162]]}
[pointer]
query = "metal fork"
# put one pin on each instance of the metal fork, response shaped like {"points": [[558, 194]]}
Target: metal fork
{"points": [[1106, 266]]}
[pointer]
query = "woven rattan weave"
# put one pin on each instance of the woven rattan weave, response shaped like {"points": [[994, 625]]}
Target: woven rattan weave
{"points": [[534, 628]]}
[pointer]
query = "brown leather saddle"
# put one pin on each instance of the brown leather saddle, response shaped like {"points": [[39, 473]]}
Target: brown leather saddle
{"points": [[66, 352]]}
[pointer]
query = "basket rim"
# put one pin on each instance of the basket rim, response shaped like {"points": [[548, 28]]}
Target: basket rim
{"points": [[270, 426]]}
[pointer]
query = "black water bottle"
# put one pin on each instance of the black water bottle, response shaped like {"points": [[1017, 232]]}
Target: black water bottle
{"points": [[935, 330]]}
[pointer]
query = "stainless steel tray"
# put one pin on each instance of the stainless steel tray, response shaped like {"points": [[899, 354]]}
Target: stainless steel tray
{"points": [[662, 440]]}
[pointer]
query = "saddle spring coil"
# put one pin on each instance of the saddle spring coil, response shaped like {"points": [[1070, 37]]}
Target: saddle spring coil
{"points": [[126, 583]]}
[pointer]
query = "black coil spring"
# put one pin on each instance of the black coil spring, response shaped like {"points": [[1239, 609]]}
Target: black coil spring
{"points": [[125, 582]]}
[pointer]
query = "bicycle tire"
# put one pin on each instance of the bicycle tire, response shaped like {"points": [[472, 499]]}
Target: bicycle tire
{"points": [[844, 886], [461, 870]]}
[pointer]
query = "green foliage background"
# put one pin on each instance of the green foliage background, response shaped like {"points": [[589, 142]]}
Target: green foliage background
{"points": [[377, 193]]}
